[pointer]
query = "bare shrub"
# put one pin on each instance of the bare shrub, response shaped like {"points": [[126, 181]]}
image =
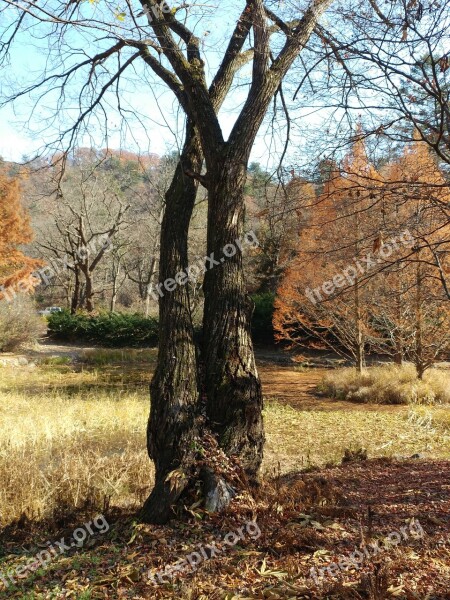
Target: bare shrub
{"points": [[19, 323]]}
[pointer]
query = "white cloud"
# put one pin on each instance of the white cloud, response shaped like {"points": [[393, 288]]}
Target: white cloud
{"points": [[14, 145]]}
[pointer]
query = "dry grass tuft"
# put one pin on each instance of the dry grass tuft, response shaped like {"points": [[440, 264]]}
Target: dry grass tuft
{"points": [[388, 384]]}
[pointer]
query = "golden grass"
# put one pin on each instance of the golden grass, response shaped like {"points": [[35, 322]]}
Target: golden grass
{"points": [[298, 439], [59, 452], [71, 439], [389, 384]]}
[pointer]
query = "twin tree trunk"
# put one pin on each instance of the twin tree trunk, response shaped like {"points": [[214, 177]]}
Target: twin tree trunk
{"points": [[216, 389], [217, 399]]}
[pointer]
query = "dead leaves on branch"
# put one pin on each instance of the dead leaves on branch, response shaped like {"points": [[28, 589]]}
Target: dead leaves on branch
{"points": [[177, 480]]}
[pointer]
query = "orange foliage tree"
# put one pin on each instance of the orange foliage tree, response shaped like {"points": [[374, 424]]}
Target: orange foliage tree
{"points": [[15, 267], [413, 306], [321, 300], [369, 268]]}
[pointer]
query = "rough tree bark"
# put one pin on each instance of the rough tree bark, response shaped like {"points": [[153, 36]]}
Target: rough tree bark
{"points": [[234, 395], [233, 389], [172, 426]]}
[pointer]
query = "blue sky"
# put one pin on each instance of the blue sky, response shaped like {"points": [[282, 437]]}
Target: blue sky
{"points": [[22, 134]]}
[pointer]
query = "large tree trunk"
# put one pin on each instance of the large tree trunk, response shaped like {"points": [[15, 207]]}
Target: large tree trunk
{"points": [[172, 425], [234, 396]]}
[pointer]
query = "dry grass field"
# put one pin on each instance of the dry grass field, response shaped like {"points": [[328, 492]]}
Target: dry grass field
{"points": [[74, 435], [72, 443]]}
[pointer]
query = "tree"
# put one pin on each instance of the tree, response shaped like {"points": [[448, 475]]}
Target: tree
{"points": [[231, 382], [321, 295], [90, 212], [416, 311], [15, 267], [117, 275], [142, 260]]}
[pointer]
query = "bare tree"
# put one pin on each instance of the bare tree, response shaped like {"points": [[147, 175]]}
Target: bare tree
{"points": [[141, 263], [117, 273], [89, 214]]}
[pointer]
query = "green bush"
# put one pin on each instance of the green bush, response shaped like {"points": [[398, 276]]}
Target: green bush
{"points": [[262, 328], [122, 329], [105, 329]]}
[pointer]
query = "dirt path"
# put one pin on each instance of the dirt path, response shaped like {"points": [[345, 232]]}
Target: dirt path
{"points": [[296, 388], [299, 390]]}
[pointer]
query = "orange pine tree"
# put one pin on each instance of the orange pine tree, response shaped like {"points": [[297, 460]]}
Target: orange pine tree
{"points": [[321, 300], [399, 221], [413, 303], [15, 267]]}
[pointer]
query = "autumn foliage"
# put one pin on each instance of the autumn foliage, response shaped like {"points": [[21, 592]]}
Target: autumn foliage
{"points": [[371, 265], [15, 230]]}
